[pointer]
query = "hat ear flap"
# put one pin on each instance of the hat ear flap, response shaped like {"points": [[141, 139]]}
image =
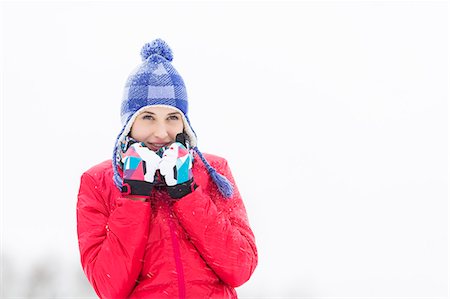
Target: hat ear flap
{"points": [[116, 157]]}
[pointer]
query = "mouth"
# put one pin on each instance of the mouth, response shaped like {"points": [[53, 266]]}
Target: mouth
{"points": [[156, 146]]}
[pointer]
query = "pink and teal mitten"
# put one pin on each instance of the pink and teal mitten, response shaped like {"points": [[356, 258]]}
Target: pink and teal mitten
{"points": [[176, 168], [139, 168]]}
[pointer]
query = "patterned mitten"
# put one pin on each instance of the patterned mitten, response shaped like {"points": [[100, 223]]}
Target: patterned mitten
{"points": [[139, 168], [176, 168]]}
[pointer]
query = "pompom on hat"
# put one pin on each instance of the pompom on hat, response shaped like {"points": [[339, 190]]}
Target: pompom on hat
{"points": [[156, 83]]}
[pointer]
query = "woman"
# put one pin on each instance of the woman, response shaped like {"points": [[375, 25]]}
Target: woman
{"points": [[162, 220]]}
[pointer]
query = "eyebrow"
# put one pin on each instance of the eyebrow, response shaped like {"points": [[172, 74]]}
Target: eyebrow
{"points": [[171, 113]]}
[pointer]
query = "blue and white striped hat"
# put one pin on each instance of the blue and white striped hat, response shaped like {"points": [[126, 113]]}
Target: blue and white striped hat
{"points": [[155, 82]]}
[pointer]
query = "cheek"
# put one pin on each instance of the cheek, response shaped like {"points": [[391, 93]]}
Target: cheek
{"points": [[139, 133], [175, 129]]}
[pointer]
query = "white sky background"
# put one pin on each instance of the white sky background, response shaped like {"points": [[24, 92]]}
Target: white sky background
{"points": [[333, 117]]}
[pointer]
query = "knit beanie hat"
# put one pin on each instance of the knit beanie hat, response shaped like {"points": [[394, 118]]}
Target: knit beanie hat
{"points": [[155, 82]]}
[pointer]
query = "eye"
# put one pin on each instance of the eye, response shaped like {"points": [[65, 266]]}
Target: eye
{"points": [[147, 116], [173, 117]]}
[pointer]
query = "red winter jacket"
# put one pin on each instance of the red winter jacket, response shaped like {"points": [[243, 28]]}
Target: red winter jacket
{"points": [[198, 247]]}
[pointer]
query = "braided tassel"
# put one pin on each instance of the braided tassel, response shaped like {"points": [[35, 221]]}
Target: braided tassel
{"points": [[224, 185]]}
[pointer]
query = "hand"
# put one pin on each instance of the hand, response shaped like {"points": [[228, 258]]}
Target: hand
{"points": [[176, 168], [139, 168]]}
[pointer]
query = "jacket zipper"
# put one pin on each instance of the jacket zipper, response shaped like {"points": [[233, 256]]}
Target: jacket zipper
{"points": [[177, 256]]}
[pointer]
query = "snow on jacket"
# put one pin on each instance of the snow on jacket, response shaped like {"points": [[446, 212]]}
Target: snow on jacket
{"points": [[198, 247]]}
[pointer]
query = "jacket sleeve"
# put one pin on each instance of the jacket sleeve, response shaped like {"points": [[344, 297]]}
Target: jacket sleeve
{"points": [[112, 243], [219, 229]]}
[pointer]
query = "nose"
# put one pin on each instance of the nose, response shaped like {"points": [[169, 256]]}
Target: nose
{"points": [[160, 131]]}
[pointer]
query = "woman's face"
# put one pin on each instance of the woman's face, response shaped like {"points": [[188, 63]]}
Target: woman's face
{"points": [[157, 127]]}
